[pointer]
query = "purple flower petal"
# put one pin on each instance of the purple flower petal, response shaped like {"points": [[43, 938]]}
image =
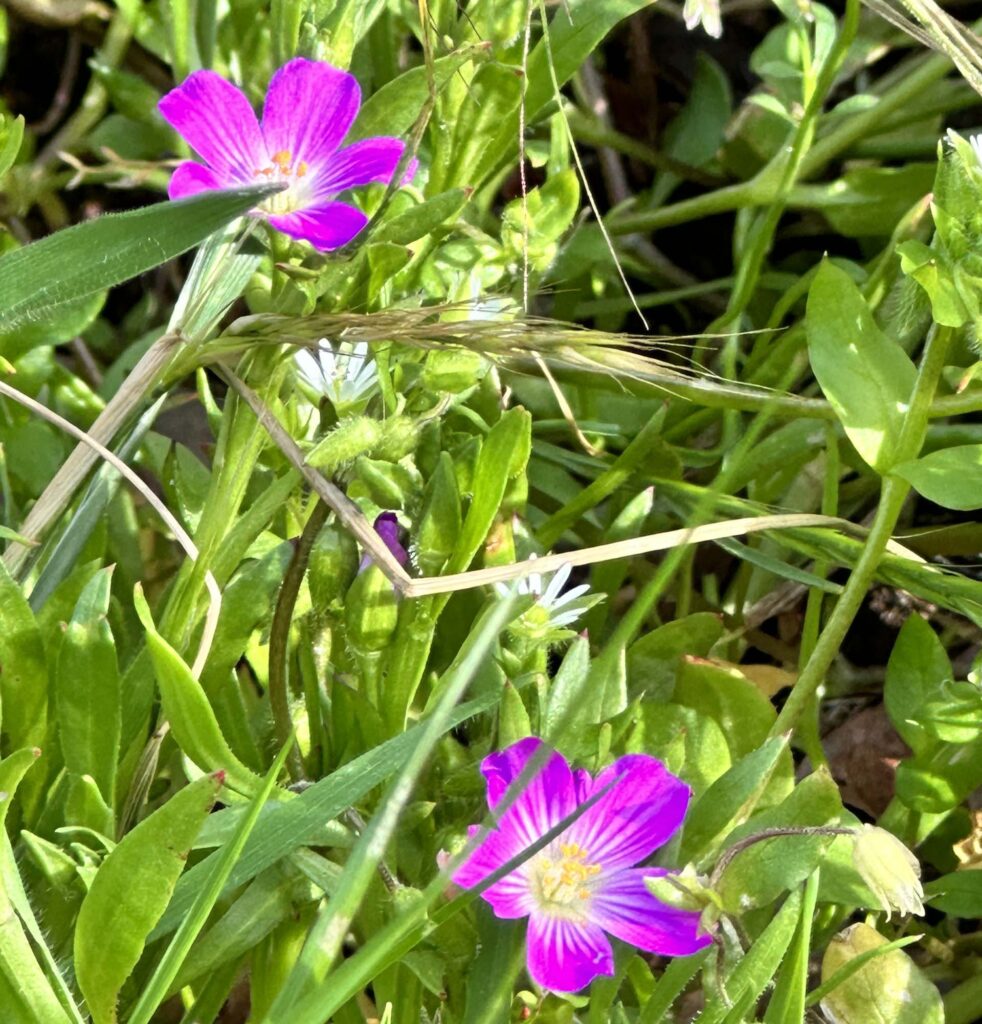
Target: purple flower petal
{"points": [[546, 797], [360, 164], [309, 108], [218, 122], [190, 178], [495, 849], [565, 955], [641, 811], [326, 227], [622, 905]]}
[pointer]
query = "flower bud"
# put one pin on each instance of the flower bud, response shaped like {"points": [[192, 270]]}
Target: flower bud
{"points": [[890, 870], [371, 612]]}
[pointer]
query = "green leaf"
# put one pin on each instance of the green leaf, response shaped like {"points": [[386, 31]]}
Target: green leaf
{"points": [[11, 136], [889, 990], [394, 108], [730, 801], [787, 1002], [866, 377], [759, 874], [958, 894], [290, 825], [440, 520], [868, 201], [494, 970], [689, 742], [743, 713], [97, 254], [25, 992], [951, 477], [24, 676], [504, 453], [939, 279], [87, 692], [653, 661], [753, 972], [155, 990], [130, 891], [419, 220], [187, 709], [917, 671]]}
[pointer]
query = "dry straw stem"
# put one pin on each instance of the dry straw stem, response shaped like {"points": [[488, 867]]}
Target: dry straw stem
{"points": [[99, 451], [350, 516], [59, 492]]}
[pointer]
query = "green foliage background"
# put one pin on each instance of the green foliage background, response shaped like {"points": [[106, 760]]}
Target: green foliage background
{"points": [[209, 806]]}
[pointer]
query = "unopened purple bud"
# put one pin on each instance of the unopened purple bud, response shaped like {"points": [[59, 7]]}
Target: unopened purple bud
{"points": [[387, 527]]}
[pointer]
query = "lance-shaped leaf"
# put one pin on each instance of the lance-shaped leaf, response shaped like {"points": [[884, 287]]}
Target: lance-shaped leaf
{"points": [[68, 265], [130, 891]]}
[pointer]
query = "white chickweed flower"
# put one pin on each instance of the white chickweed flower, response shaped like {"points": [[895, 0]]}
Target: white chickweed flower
{"points": [[344, 377], [549, 598]]}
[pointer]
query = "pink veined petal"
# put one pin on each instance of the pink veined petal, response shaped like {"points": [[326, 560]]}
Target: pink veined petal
{"points": [[218, 122], [326, 227], [622, 905], [510, 896], [546, 798], [566, 956], [190, 178], [501, 768], [360, 164], [310, 105], [494, 850], [643, 809]]}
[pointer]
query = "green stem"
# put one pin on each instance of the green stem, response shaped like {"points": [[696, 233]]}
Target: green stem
{"points": [[763, 188], [279, 638], [892, 496]]}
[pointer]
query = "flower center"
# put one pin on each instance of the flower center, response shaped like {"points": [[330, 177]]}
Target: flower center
{"points": [[281, 169], [563, 883]]}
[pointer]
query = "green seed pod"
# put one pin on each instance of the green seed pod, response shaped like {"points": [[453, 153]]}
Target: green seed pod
{"points": [[371, 612], [332, 566], [397, 438], [388, 484], [889, 989], [439, 524], [351, 438]]}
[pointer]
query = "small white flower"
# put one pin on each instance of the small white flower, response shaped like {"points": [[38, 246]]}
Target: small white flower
{"points": [[705, 12], [976, 141], [344, 378], [550, 598]]}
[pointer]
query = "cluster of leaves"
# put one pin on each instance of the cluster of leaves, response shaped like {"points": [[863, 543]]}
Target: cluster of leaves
{"points": [[177, 834]]}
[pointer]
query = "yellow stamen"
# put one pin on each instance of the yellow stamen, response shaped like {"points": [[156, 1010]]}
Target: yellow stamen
{"points": [[562, 882], [282, 159], [301, 168]]}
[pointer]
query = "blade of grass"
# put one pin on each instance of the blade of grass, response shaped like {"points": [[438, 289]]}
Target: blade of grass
{"points": [[324, 940], [170, 963]]}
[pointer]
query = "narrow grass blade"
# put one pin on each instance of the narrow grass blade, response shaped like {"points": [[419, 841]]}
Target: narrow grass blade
{"points": [[170, 963]]}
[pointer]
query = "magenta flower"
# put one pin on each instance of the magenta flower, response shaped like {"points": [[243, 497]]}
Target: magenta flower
{"points": [[584, 883], [308, 110]]}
